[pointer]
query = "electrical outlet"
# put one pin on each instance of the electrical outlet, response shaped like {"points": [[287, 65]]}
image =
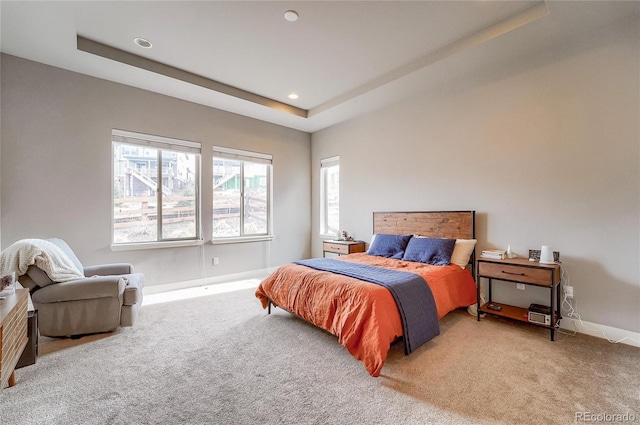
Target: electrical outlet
{"points": [[520, 286], [568, 290], [216, 261]]}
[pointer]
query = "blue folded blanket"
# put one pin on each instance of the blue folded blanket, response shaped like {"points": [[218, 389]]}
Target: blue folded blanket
{"points": [[410, 291]]}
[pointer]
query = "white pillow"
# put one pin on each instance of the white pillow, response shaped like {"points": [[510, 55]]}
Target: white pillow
{"points": [[462, 252], [373, 238]]}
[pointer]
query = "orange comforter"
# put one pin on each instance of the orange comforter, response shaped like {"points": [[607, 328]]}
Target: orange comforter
{"points": [[363, 315]]}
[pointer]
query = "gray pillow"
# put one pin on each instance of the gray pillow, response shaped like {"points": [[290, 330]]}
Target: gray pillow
{"points": [[27, 282], [38, 276]]}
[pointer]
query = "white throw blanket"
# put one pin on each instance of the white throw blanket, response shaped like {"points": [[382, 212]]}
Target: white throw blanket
{"points": [[44, 254]]}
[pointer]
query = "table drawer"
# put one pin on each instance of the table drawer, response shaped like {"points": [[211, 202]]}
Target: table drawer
{"points": [[536, 276], [334, 247]]}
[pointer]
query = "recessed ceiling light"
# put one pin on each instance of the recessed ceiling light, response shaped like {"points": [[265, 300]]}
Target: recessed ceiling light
{"points": [[293, 96], [142, 42], [291, 15]]}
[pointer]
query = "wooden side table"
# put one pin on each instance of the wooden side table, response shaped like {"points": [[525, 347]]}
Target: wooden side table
{"points": [[521, 270], [342, 247], [13, 334], [30, 353]]}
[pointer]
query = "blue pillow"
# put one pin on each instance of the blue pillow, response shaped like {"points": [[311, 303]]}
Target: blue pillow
{"points": [[390, 246], [435, 251]]}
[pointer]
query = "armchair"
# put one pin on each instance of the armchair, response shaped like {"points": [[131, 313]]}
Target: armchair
{"points": [[108, 296]]}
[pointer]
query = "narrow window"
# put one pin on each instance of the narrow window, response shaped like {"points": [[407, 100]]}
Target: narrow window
{"points": [[330, 196], [241, 194], [156, 183]]}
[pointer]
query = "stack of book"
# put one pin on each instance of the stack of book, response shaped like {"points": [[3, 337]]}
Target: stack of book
{"points": [[496, 254]]}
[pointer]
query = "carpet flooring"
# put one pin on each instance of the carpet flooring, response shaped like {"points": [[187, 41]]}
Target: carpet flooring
{"points": [[220, 359]]}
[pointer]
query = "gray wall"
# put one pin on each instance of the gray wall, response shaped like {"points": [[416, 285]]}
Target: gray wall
{"points": [[545, 148], [56, 169], [0, 149]]}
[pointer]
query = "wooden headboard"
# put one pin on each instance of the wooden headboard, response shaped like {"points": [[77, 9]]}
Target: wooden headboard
{"points": [[435, 224]]}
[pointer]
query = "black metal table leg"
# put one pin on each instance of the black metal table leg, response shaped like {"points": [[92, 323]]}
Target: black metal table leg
{"points": [[478, 297], [490, 298], [553, 324]]}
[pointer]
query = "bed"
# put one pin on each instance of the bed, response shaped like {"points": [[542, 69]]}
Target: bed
{"points": [[368, 317]]}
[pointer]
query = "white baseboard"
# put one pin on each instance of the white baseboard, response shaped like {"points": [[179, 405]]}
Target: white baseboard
{"points": [[601, 331], [212, 280]]}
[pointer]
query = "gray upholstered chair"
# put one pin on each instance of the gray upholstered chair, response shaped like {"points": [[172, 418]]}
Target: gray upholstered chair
{"points": [[109, 296]]}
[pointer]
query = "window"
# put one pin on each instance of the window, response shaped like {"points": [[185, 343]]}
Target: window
{"points": [[156, 184], [241, 194], [330, 196]]}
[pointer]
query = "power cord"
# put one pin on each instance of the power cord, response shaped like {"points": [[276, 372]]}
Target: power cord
{"points": [[568, 306], [473, 308]]}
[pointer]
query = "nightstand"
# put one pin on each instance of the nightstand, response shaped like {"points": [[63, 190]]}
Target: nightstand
{"points": [[521, 270], [342, 247]]}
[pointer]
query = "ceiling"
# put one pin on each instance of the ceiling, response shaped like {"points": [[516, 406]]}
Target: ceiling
{"points": [[343, 59]]}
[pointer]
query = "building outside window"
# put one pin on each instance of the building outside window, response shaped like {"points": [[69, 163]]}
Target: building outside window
{"points": [[241, 195], [330, 196], [156, 184]]}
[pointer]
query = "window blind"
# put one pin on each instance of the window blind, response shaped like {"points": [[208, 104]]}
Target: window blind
{"points": [[240, 155], [159, 142], [330, 162]]}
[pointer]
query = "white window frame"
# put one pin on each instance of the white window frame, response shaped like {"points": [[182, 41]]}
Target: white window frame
{"points": [[324, 200], [253, 157], [160, 143]]}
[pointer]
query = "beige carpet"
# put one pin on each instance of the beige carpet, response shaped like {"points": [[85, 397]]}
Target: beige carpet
{"points": [[221, 359]]}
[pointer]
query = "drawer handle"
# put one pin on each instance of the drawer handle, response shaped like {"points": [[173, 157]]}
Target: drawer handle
{"points": [[517, 274]]}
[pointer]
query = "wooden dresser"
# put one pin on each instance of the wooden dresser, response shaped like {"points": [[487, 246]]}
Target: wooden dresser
{"points": [[13, 334], [342, 247]]}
